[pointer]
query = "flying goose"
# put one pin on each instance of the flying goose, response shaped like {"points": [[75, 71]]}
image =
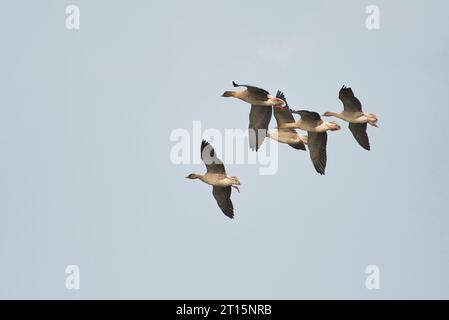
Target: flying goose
{"points": [[216, 177], [255, 96], [287, 136], [261, 109], [353, 114], [317, 136], [260, 115]]}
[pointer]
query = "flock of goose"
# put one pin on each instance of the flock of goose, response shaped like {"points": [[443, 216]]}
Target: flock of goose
{"points": [[262, 106]]}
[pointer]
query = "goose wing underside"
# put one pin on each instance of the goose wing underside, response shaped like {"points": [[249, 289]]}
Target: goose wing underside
{"points": [[317, 148], [350, 102], [213, 164], [308, 115], [259, 119], [283, 116], [359, 132], [256, 93], [223, 198]]}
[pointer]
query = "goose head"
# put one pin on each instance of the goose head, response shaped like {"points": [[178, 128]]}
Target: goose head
{"points": [[227, 94], [193, 176]]}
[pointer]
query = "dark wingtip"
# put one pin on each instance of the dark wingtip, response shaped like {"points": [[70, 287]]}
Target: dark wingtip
{"points": [[366, 147], [234, 84], [320, 171], [298, 146], [229, 214], [205, 144], [343, 89]]}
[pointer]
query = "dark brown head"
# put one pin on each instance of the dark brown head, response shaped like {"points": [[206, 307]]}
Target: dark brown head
{"points": [[193, 176], [228, 94]]}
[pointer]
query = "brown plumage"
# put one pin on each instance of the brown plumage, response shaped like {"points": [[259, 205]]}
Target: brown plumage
{"points": [[352, 105], [359, 132], [317, 141], [317, 149], [261, 110], [287, 136], [216, 177], [353, 113], [317, 137], [350, 102], [259, 120]]}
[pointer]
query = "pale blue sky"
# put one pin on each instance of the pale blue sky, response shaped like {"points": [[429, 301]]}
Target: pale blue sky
{"points": [[86, 179]]}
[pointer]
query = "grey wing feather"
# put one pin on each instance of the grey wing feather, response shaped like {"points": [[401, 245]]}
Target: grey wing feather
{"points": [[223, 198], [213, 164], [257, 93], [259, 119], [298, 146], [308, 115], [317, 148], [282, 116], [359, 132], [350, 102]]}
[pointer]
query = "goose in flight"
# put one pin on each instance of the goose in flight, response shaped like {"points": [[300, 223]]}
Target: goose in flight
{"points": [[261, 109], [287, 136], [216, 177], [352, 113], [255, 96], [317, 136]]}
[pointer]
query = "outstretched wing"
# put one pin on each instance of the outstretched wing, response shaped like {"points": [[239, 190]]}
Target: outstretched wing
{"points": [[359, 132], [308, 115], [298, 146], [259, 119], [257, 93], [223, 198], [213, 164], [317, 148], [350, 102], [283, 116]]}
